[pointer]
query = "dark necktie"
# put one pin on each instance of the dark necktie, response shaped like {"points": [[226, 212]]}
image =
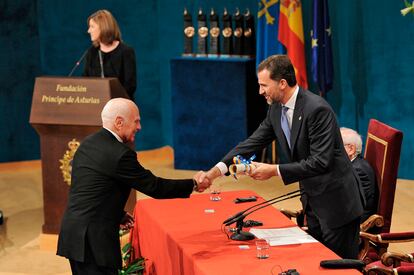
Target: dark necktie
{"points": [[285, 124]]}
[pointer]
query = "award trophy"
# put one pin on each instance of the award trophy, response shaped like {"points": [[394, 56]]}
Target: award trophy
{"points": [[238, 33], [214, 49], [188, 34], [227, 34], [249, 44], [202, 34]]}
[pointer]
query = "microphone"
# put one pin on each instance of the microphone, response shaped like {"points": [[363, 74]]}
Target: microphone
{"points": [[273, 201], [343, 264], [241, 235], [78, 62], [256, 205], [101, 63]]}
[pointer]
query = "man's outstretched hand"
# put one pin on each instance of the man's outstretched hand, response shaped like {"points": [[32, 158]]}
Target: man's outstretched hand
{"points": [[202, 180]]}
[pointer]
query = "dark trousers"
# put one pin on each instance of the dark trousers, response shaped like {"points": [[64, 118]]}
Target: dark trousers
{"points": [[90, 267], [342, 240], [79, 268]]}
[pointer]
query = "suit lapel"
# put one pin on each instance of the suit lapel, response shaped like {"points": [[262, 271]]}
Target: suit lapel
{"points": [[297, 119]]}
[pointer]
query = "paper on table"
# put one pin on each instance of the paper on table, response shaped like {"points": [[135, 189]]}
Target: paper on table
{"points": [[283, 236]]}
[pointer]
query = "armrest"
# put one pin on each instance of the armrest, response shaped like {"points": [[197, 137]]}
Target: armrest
{"points": [[370, 237], [397, 237], [374, 270], [299, 215], [386, 238], [383, 238], [373, 220], [394, 258], [291, 213]]}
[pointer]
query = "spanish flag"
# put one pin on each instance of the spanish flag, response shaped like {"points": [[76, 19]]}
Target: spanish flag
{"points": [[291, 36]]}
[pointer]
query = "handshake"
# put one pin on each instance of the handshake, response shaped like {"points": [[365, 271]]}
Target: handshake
{"points": [[205, 179], [258, 171], [201, 181]]}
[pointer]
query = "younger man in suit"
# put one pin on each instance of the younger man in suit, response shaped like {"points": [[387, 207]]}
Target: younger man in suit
{"points": [[312, 152]]}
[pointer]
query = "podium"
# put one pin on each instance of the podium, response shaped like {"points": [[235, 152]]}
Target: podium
{"points": [[64, 111]]}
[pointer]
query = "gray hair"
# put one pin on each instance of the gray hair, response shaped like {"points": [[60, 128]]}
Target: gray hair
{"points": [[116, 107], [350, 136]]}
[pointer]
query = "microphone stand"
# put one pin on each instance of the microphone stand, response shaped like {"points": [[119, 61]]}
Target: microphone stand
{"points": [[101, 63], [241, 235], [78, 62], [235, 216]]}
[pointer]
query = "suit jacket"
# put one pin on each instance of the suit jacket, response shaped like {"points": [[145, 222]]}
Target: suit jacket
{"points": [[317, 159], [369, 185], [103, 172]]}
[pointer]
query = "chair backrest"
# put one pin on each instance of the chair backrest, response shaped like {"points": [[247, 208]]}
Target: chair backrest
{"points": [[382, 151]]}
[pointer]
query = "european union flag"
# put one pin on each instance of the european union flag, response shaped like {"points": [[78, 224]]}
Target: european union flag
{"points": [[322, 67], [267, 30]]}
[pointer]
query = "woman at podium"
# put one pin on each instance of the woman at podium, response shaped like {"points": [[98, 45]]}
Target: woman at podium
{"points": [[109, 56]]}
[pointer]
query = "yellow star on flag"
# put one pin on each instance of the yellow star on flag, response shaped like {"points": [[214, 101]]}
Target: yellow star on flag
{"points": [[314, 42], [329, 31]]}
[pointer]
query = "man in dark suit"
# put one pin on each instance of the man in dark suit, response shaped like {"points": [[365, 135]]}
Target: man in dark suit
{"points": [[353, 147], [311, 152], [104, 170]]}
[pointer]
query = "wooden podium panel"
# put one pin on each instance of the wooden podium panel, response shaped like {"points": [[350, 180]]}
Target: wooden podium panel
{"points": [[72, 100], [64, 111]]}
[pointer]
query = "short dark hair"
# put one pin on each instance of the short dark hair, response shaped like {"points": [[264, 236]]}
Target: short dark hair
{"points": [[279, 67], [108, 26]]}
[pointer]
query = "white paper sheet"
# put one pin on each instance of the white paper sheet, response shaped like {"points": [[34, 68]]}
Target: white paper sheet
{"points": [[283, 236]]}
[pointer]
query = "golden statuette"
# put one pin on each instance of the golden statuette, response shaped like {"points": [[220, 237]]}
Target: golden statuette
{"points": [[248, 32], [214, 32], [203, 32], [238, 32], [189, 31], [227, 32]]}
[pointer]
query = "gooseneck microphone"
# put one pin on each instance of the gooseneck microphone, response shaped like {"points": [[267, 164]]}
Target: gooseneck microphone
{"points": [[256, 205], [343, 264], [101, 63], [272, 201], [241, 235], [78, 62]]}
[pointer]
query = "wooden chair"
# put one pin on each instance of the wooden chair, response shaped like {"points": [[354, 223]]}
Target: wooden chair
{"points": [[392, 263], [382, 151]]}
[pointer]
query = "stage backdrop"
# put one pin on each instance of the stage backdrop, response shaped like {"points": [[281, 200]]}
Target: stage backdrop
{"points": [[373, 53]]}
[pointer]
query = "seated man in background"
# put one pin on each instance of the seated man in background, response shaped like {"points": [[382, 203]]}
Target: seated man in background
{"points": [[104, 170], [353, 147]]}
